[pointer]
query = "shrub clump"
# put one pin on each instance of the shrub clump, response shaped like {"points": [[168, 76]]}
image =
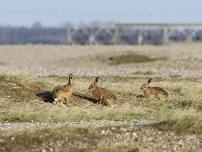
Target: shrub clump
{"points": [[132, 58], [185, 124]]}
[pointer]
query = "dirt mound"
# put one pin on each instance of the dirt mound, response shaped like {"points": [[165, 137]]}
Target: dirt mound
{"points": [[19, 88]]}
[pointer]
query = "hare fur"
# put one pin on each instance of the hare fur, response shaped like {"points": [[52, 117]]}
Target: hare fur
{"points": [[104, 95], [154, 92], [63, 93]]}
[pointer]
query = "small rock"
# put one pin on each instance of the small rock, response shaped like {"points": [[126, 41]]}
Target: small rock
{"points": [[12, 138]]}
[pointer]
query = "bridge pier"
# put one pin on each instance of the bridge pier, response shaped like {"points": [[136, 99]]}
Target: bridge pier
{"points": [[140, 38], [69, 35], [189, 36], [165, 36], [115, 39]]}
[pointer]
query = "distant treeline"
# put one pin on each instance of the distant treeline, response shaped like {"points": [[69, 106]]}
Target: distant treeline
{"points": [[94, 35], [23, 35]]}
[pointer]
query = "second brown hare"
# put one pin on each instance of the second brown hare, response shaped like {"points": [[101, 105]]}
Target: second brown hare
{"points": [[154, 92], [62, 93], [103, 95]]}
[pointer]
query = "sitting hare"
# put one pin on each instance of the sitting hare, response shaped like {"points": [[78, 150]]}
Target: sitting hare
{"points": [[63, 93], [154, 92], [104, 95]]}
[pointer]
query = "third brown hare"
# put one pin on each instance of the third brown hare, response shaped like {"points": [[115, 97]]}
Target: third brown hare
{"points": [[104, 95], [62, 93], [154, 92]]}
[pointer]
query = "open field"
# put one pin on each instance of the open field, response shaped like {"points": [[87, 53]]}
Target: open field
{"points": [[171, 60], [30, 122]]}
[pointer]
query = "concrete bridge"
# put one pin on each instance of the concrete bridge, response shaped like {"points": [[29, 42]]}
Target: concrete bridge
{"points": [[134, 34]]}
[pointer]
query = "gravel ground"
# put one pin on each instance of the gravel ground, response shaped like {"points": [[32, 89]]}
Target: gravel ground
{"points": [[131, 136], [124, 70], [123, 135], [80, 124], [151, 140]]}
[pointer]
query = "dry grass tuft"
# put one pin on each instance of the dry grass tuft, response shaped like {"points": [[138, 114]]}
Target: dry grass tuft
{"points": [[144, 73], [43, 112], [191, 124]]}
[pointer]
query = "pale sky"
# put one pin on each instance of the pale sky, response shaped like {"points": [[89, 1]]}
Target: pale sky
{"points": [[58, 12]]}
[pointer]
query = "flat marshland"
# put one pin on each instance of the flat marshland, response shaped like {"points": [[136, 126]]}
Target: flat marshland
{"points": [[30, 122]]}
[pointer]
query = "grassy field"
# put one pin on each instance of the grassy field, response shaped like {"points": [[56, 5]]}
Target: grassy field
{"points": [[27, 99], [171, 125]]}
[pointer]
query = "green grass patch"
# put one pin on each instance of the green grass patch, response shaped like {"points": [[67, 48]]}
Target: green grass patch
{"points": [[132, 58], [24, 117], [177, 90], [180, 103], [122, 116], [53, 113]]}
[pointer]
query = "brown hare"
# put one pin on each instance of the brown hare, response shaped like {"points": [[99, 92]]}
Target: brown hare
{"points": [[104, 95], [154, 92], [62, 93]]}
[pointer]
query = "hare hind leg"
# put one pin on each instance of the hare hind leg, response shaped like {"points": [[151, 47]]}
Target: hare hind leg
{"points": [[99, 102], [62, 103], [157, 97], [66, 101], [105, 102]]}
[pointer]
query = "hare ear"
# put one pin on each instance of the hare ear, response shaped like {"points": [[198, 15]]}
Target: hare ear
{"points": [[96, 80], [149, 80], [70, 76]]}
